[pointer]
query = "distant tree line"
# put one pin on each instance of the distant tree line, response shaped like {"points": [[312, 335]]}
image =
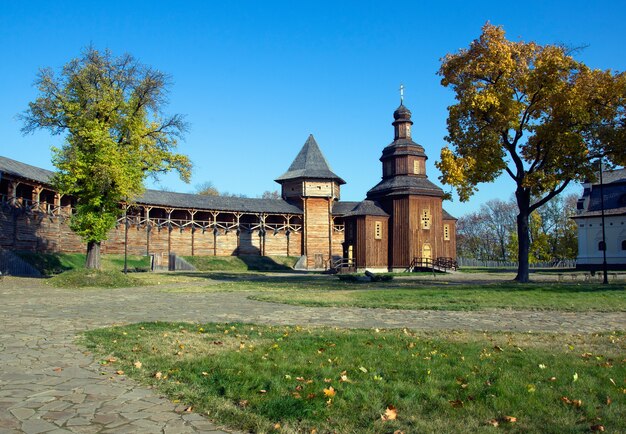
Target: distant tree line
{"points": [[208, 189], [490, 234]]}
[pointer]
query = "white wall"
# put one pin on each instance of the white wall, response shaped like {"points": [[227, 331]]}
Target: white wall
{"points": [[590, 234]]}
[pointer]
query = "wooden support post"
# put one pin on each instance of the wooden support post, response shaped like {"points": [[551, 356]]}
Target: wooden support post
{"points": [[148, 228], [12, 193], [262, 218], [288, 230], [238, 231], [214, 214], [35, 197], [57, 204], [169, 230], [192, 213]]}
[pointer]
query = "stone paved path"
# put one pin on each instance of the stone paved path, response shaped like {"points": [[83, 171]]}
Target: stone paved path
{"points": [[48, 385]]}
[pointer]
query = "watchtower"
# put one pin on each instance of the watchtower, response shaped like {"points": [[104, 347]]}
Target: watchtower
{"points": [[312, 186]]}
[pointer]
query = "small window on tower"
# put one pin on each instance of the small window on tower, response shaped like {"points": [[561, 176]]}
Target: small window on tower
{"points": [[425, 218], [446, 232], [378, 230]]}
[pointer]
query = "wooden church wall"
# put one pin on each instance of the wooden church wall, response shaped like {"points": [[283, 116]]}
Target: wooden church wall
{"points": [[449, 246], [376, 255], [432, 236]]}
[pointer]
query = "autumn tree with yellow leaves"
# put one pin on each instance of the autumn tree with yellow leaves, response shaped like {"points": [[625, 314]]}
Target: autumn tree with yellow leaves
{"points": [[533, 112]]}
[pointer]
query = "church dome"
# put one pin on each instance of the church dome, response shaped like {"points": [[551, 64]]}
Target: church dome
{"points": [[402, 113]]}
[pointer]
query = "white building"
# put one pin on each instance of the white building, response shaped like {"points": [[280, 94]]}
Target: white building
{"points": [[589, 223]]}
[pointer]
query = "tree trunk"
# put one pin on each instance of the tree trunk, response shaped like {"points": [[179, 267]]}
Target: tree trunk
{"points": [[93, 255], [523, 237]]}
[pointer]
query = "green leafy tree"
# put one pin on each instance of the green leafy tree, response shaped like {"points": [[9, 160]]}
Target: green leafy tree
{"points": [[539, 250], [530, 111], [109, 109], [561, 230]]}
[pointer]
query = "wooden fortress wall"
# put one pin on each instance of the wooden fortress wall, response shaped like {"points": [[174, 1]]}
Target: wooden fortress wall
{"points": [[37, 231]]}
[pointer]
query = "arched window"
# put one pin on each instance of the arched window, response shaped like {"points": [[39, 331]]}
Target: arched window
{"points": [[601, 246]]}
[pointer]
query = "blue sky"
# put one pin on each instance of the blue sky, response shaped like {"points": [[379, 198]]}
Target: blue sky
{"points": [[254, 78]]}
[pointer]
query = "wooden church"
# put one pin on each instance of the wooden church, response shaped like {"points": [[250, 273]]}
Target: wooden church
{"points": [[400, 225]]}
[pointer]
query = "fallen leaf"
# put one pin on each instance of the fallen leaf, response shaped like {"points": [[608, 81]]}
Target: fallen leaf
{"points": [[330, 392], [575, 376], [497, 348], [363, 369], [552, 378], [597, 428], [566, 400], [120, 372], [509, 419], [310, 396], [542, 366], [390, 414], [205, 373], [243, 403], [494, 422], [158, 375], [57, 369], [328, 380], [608, 400], [137, 364], [457, 403], [276, 426], [577, 403], [189, 409], [531, 388], [262, 391]]}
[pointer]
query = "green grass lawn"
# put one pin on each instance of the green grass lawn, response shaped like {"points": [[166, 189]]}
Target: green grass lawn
{"points": [[242, 263], [416, 295], [50, 264], [293, 379], [402, 293]]}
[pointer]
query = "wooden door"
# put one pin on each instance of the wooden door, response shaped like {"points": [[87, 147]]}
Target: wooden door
{"points": [[426, 252], [319, 260]]}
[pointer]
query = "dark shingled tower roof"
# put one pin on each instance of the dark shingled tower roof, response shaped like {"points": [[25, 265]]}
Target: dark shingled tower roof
{"points": [[309, 163]]}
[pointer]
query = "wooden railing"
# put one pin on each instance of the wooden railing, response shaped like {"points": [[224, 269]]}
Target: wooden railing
{"points": [[343, 265], [439, 264]]}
